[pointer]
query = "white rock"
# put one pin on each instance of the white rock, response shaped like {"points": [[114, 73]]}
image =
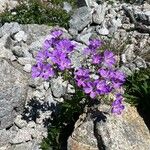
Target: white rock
{"points": [[20, 122], [99, 13], [27, 68], [31, 124], [20, 36], [70, 89], [103, 30], [23, 135], [46, 85], [26, 60]]}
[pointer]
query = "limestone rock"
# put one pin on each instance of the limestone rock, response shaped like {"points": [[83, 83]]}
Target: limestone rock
{"points": [[23, 135], [106, 131], [99, 13], [81, 18], [13, 89]]}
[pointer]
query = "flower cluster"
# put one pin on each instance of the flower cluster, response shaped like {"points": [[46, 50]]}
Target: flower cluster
{"points": [[53, 56], [108, 78], [99, 79]]}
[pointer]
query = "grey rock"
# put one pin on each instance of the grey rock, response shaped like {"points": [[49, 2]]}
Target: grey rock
{"points": [[6, 136], [67, 7], [110, 132], [140, 63], [73, 32], [10, 28], [4, 52], [20, 122], [24, 146], [143, 17], [18, 51], [23, 135], [84, 38], [13, 90], [57, 87], [81, 18], [77, 57], [26, 60], [99, 13]]}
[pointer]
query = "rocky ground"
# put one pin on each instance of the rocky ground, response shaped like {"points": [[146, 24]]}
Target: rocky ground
{"points": [[26, 104]]}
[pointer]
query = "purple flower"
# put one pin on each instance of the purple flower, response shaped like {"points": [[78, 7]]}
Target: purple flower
{"points": [[94, 44], [96, 59], [36, 70], [109, 58], [81, 82], [104, 73], [42, 56], [90, 88], [82, 72], [65, 46], [119, 76], [102, 87], [117, 106], [42, 70], [47, 71], [65, 64], [57, 56], [57, 33]]}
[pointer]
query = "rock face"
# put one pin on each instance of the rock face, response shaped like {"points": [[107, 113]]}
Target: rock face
{"points": [[13, 89], [105, 131], [81, 18]]}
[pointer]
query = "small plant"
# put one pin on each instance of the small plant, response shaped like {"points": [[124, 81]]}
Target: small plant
{"points": [[98, 78], [62, 124], [138, 90], [35, 12]]}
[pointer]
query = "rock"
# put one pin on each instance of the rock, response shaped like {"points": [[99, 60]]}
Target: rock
{"points": [[143, 17], [18, 51], [129, 52], [24, 146], [9, 4], [6, 136], [102, 30], [81, 18], [140, 63], [26, 60], [27, 68], [10, 28], [70, 88], [84, 38], [13, 90], [106, 131], [67, 7], [57, 87], [20, 122], [4, 52], [77, 56], [23, 135], [99, 13], [20, 36]]}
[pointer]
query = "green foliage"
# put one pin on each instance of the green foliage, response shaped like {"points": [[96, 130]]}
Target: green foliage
{"points": [[60, 2], [138, 90], [34, 12], [61, 126]]}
